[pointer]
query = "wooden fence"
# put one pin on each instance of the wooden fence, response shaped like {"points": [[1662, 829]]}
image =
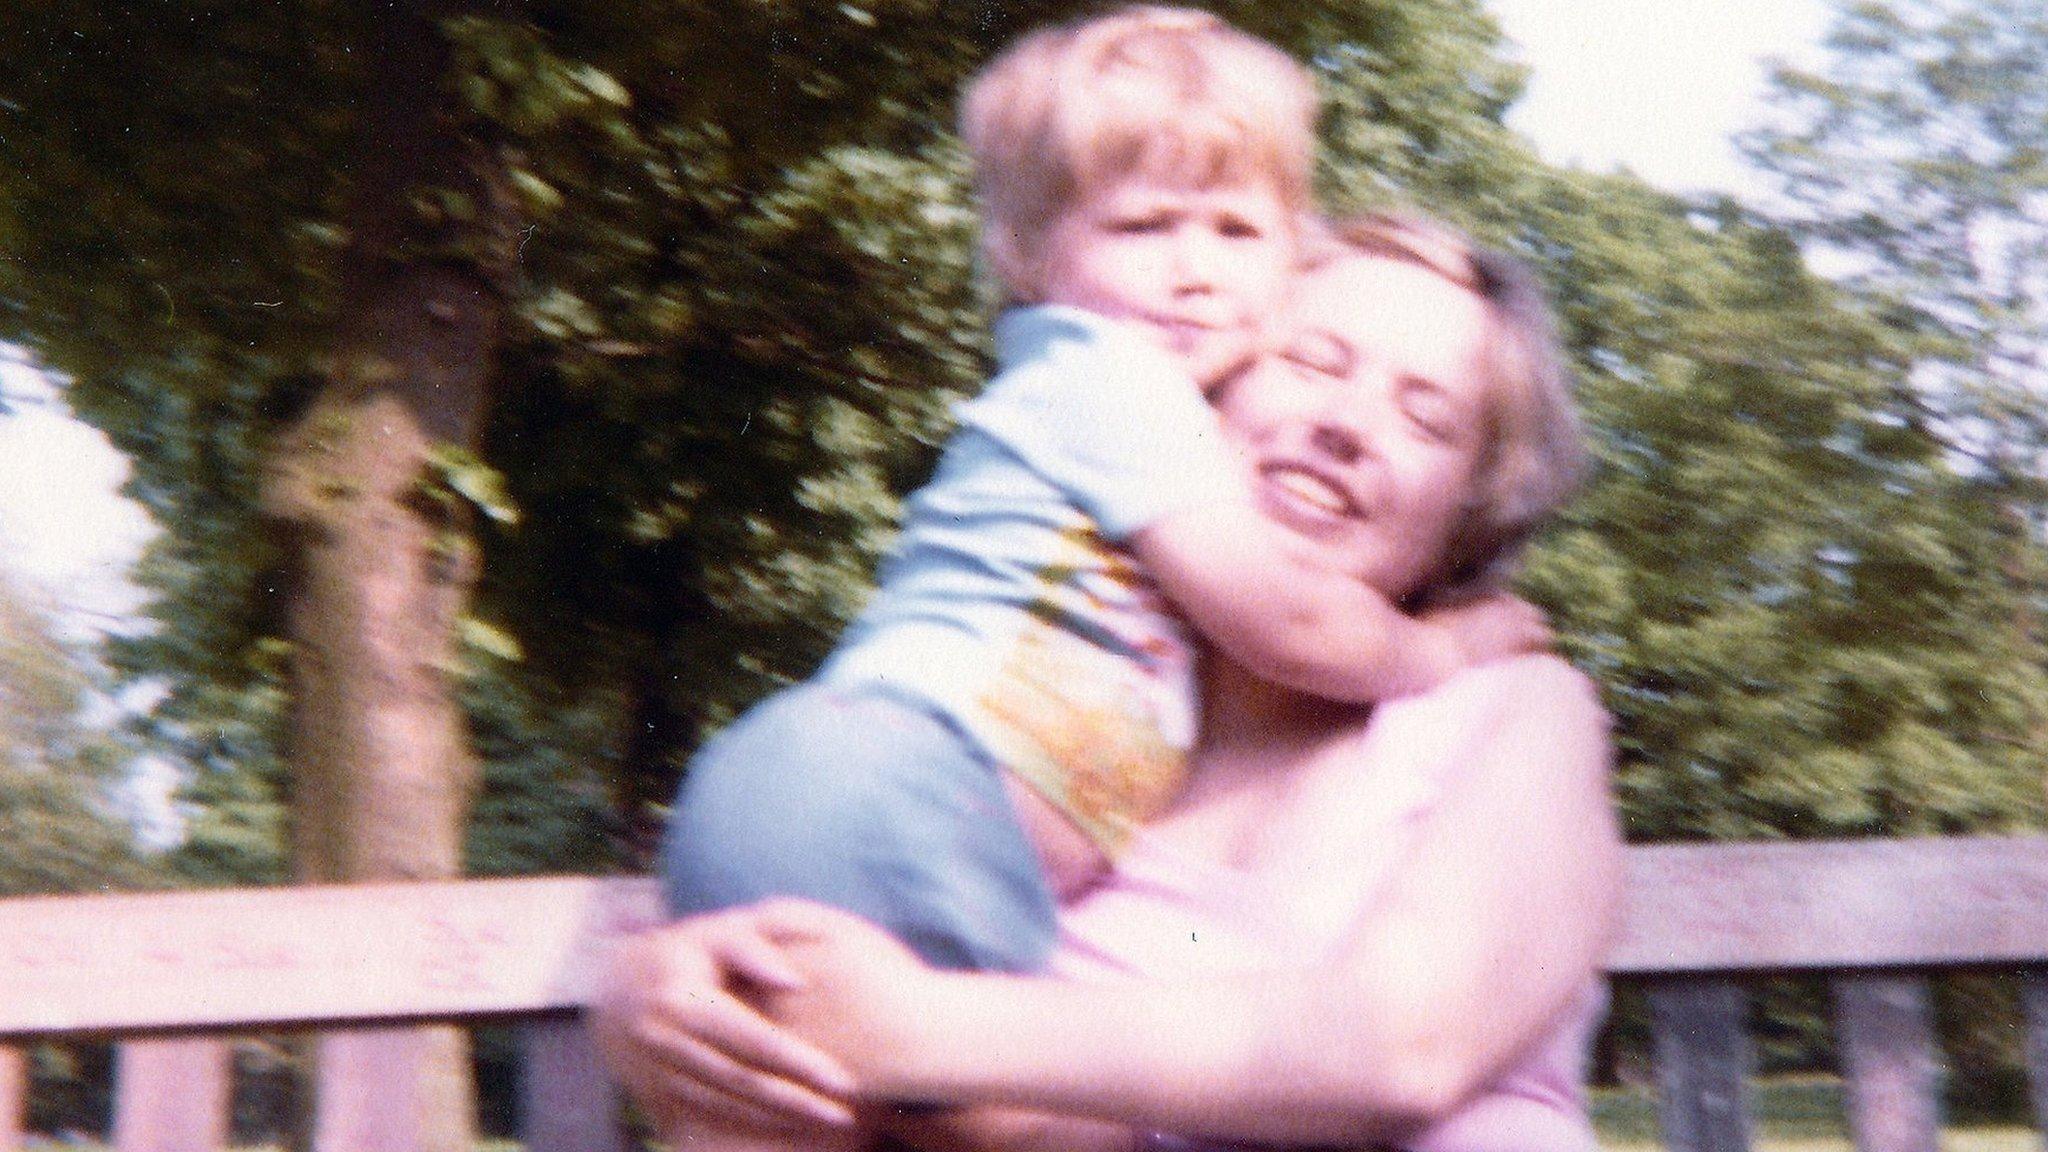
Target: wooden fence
{"points": [[168, 974]]}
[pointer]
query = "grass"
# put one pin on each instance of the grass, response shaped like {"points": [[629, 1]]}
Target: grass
{"points": [[1791, 1114]]}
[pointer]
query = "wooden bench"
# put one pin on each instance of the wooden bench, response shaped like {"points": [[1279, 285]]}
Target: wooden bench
{"points": [[167, 973]]}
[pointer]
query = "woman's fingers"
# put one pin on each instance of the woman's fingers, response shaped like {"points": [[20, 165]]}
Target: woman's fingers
{"points": [[695, 1106], [674, 1025], [754, 957], [715, 1021], [712, 1081], [750, 941]]}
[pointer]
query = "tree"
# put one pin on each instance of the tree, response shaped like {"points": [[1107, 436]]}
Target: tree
{"points": [[1916, 154], [395, 368]]}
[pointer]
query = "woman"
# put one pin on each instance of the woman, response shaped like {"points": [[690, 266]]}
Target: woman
{"points": [[1360, 925]]}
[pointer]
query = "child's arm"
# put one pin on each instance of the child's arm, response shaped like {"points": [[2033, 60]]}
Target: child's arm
{"points": [[1254, 594], [1120, 429]]}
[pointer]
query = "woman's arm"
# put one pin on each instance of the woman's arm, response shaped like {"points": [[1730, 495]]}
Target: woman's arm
{"points": [[1491, 926], [679, 1019]]}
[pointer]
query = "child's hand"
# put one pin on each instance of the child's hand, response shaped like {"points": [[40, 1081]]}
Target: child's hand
{"points": [[1494, 628]]}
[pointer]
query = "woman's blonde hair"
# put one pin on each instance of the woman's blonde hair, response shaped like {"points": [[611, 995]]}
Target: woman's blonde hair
{"points": [[1170, 92], [1534, 455]]}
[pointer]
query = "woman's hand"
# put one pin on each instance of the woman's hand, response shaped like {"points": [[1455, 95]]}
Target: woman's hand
{"points": [[860, 995], [679, 1019]]}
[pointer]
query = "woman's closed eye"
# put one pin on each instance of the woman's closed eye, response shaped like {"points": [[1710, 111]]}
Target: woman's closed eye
{"points": [[1429, 409], [1141, 223], [1240, 228]]}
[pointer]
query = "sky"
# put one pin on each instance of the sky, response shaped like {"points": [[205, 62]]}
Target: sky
{"points": [[64, 533], [1656, 86]]}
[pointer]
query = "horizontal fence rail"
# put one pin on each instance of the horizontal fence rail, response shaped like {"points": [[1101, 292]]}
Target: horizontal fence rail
{"points": [[165, 971], [315, 955], [1815, 905]]}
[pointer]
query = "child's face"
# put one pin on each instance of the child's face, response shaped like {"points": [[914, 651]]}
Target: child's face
{"points": [[1200, 267]]}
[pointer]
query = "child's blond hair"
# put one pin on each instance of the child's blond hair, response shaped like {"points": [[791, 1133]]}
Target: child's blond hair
{"points": [[1170, 92]]}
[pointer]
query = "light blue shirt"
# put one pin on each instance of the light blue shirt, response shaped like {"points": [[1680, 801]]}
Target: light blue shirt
{"points": [[1009, 605]]}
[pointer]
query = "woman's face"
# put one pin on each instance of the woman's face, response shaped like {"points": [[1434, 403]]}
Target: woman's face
{"points": [[1364, 426]]}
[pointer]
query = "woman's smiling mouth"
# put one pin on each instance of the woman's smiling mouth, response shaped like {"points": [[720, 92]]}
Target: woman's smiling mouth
{"points": [[1304, 496]]}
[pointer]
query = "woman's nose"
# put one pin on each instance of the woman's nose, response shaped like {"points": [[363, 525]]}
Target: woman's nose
{"points": [[1337, 441]]}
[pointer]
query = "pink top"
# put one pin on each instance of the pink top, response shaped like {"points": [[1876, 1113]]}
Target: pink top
{"points": [[1166, 911]]}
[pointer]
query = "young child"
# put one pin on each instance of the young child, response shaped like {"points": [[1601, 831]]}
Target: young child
{"points": [[1019, 695]]}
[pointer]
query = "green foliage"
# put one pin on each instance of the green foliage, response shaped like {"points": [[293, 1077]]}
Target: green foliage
{"points": [[1801, 609], [224, 735], [456, 478], [546, 805]]}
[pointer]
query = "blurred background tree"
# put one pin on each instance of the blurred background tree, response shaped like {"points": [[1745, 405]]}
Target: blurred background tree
{"points": [[63, 815], [1914, 158], [524, 388]]}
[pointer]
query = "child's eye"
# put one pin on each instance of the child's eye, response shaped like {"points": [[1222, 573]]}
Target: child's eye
{"points": [[1317, 353], [1138, 225], [1241, 230], [1322, 357]]}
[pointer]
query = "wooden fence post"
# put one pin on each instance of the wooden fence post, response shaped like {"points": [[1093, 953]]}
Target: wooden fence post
{"points": [[567, 1102], [1886, 1034], [366, 1090], [1703, 1064], [13, 1095], [2034, 998], [172, 1095]]}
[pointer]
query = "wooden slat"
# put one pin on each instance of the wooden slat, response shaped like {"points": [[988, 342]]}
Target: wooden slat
{"points": [[1838, 904], [1885, 1032], [1703, 1063], [304, 955], [2034, 1003], [13, 1096], [568, 1104], [172, 1095]]}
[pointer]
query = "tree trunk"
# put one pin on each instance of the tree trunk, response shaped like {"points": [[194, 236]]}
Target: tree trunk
{"points": [[382, 775]]}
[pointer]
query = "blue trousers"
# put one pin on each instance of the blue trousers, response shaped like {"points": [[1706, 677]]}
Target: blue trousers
{"points": [[871, 804]]}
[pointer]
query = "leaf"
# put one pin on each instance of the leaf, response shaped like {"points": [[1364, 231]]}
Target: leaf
{"points": [[462, 473]]}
